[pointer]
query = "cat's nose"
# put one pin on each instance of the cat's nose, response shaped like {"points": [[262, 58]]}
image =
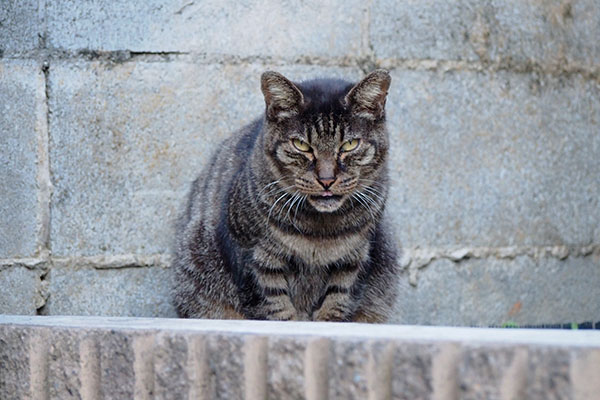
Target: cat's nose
{"points": [[327, 182]]}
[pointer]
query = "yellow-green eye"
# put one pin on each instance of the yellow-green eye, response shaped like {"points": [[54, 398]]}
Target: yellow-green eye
{"points": [[350, 145], [300, 145]]}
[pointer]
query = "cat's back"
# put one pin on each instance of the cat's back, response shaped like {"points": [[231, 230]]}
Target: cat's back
{"points": [[210, 188], [196, 228]]}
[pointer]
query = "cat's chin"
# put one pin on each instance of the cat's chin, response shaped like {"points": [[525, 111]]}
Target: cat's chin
{"points": [[326, 204]]}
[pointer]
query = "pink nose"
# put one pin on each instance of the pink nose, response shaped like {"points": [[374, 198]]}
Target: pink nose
{"points": [[326, 182]]}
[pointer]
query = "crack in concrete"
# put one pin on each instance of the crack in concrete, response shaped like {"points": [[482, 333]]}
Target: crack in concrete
{"points": [[415, 259], [412, 259], [32, 263], [366, 62], [44, 183], [114, 261]]}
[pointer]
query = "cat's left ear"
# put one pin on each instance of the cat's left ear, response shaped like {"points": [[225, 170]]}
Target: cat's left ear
{"points": [[283, 99], [367, 98]]}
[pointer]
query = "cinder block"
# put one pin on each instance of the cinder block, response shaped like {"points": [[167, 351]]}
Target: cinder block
{"points": [[494, 159], [226, 363], [23, 362], [79, 357], [555, 35], [348, 370], [21, 94], [492, 373], [14, 363], [22, 291], [143, 291], [117, 374], [548, 374], [285, 365], [20, 27], [412, 371], [294, 29], [421, 30], [484, 292], [585, 364], [64, 366], [128, 139], [172, 367]]}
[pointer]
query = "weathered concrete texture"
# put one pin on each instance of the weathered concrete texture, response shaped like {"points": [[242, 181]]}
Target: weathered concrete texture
{"points": [[557, 35], [62, 357], [65, 372], [348, 370], [548, 375], [21, 92], [127, 140], [523, 290], [137, 291], [226, 365], [23, 362], [412, 370], [23, 290], [294, 29], [493, 373], [286, 369], [494, 159], [172, 377], [20, 27]]}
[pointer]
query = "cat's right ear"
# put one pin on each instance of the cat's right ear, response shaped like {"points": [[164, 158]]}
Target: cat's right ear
{"points": [[367, 97], [282, 98]]}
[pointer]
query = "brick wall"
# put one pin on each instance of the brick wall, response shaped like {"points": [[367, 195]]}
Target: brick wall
{"points": [[108, 110]]}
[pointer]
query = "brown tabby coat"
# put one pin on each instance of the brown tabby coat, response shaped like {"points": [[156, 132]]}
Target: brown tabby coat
{"points": [[285, 223]]}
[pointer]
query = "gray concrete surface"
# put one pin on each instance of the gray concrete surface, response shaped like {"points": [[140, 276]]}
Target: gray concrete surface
{"points": [[21, 94], [23, 291], [250, 28], [109, 110], [131, 291], [73, 357], [561, 35], [523, 290], [494, 159], [20, 27]]}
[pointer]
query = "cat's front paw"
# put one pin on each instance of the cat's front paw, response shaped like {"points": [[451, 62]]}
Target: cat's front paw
{"points": [[282, 315], [280, 308], [331, 314], [288, 315]]}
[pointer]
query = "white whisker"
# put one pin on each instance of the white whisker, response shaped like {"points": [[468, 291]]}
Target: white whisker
{"points": [[274, 204], [286, 203], [373, 192], [303, 199], [358, 197]]}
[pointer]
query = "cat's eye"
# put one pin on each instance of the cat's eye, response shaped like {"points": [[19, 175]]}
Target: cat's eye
{"points": [[350, 145], [300, 145]]}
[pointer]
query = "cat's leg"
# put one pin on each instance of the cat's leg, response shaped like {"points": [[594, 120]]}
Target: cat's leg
{"points": [[380, 291], [270, 275], [339, 303]]}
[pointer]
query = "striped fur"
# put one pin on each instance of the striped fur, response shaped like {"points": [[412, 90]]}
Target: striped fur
{"points": [[273, 232]]}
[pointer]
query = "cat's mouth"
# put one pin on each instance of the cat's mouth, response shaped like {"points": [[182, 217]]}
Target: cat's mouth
{"points": [[326, 201]]}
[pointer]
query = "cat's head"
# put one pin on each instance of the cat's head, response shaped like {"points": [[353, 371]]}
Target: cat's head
{"points": [[326, 138]]}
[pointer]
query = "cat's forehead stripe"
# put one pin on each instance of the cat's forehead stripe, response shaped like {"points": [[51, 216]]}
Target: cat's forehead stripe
{"points": [[326, 125]]}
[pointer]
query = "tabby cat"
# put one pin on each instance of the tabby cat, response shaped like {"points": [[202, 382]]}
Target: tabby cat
{"points": [[285, 223]]}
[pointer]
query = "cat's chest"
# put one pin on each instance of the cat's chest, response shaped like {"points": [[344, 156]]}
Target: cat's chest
{"points": [[306, 285], [320, 252]]}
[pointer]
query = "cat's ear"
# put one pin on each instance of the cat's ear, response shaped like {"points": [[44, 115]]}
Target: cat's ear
{"points": [[367, 98], [282, 97]]}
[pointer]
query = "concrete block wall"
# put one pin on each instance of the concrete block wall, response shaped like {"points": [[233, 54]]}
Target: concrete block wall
{"points": [[123, 358], [108, 111]]}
